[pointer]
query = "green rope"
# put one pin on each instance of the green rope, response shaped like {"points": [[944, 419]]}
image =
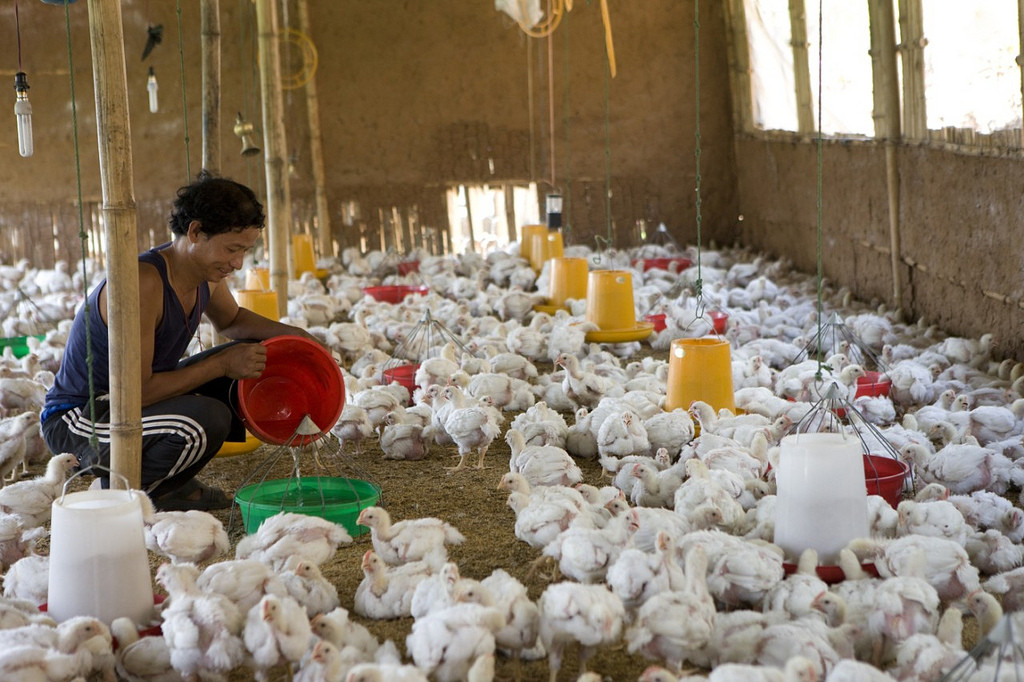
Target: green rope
{"points": [[82, 238], [184, 99], [699, 284], [819, 192]]}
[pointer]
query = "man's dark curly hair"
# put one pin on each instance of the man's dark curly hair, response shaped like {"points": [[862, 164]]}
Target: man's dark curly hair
{"points": [[220, 205]]}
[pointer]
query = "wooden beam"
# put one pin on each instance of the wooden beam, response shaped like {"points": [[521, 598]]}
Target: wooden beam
{"points": [[279, 211], [209, 13], [912, 43], [113, 135]]}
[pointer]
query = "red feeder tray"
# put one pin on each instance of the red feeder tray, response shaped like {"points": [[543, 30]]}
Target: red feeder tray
{"points": [[408, 266], [150, 631], [658, 319], [401, 374], [719, 320], [395, 293], [874, 384], [300, 378], [663, 263], [884, 476], [831, 574]]}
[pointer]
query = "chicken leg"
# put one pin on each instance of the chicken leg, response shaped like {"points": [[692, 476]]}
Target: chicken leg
{"points": [[461, 465]]}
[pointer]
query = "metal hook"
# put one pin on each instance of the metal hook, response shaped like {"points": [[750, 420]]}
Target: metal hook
{"points": [[97, 465]]}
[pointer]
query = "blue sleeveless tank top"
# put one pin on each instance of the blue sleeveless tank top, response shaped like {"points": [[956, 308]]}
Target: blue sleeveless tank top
{"points": [[71, 385]]}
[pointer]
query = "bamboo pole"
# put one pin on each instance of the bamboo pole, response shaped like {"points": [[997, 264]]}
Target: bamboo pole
{"points": [[915, 116], [279, 211], [316, 150], [113, 135], [210, 30], [739, 63], [887, 124], [801, 67]]}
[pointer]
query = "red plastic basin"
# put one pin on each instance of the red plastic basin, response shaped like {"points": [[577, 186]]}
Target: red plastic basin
{"points": [[300, 378], [663, 263], [874, 384], [394, 293], [658, 319], [884, 476]]}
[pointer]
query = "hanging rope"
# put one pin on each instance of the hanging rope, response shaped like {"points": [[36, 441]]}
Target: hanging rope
{"points": [[567, 194], [818, 221], [82, 238], [551, 103], [184, 100], [607, 160], [699, 284]]}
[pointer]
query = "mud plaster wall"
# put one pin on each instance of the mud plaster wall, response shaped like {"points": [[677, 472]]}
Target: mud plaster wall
{"points": [[961, 236], [414, 97]]}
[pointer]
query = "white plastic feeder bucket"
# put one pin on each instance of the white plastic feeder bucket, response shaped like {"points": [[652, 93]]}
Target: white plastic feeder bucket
{"points": [[98, 561], [822, 497]]}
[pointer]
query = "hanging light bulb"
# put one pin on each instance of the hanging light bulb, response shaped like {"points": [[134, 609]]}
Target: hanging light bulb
{"points": [[23, 112], [554, 211], [152, 87]]}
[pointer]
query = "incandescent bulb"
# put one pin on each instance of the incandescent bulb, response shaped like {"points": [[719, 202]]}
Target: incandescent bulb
{"points": [[152, 87], [23, 113]]}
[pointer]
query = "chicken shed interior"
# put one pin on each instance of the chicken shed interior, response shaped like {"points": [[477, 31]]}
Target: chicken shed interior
{"points": [[566, 203]]}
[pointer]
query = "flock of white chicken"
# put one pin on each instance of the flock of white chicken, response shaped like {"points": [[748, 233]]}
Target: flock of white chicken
{"points": [[672, 559]]}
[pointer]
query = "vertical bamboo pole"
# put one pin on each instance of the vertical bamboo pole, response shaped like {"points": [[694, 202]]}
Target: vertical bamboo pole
{"points": [[113, 135], [279, 211], [316, 150], [210, 30], [887, 123], [801, 67], [739, 62], [915, 115]]}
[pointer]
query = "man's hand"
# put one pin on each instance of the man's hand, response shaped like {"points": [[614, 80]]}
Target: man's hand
{"points": [[243, 360]]}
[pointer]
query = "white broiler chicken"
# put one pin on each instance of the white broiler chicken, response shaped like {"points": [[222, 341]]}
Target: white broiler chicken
{"points": [[31, 500], [539, 521], [377, 401], [585, 388], [508, 393], [386, 591], [741, 572], [391, 671], [353, 426], [675, 625], [670, 430], [14, 545], [653, 487], [947, 566], [141, 659], [446, 643], [191, 536], [796, 594], [243, 581], [622, 435], [925, 656], [336, 627], [588, 615], [436, 591], [938, 518], [541, 425], [306, 584], [797, 669], [472, 427], [638, 575], [202, 629], [410, 539], [323, 662], [541, 465], [406, 441], [28, 579], [286, 534], [13, 432], [580, 438], [521, 615], [584, 553], [276, 632]]}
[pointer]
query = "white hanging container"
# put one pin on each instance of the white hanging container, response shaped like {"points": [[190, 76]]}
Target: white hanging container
{"points": [[822, 496], [99, 566]]}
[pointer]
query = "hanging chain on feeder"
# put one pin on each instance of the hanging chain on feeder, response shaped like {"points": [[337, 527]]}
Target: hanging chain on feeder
{"points": [[567, 207], [699, 284], [817, 375], [82, 239], [607, 154], [184, 99]]}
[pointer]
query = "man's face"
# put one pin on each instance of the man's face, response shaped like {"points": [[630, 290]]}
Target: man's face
{"points": [[222, 254]]}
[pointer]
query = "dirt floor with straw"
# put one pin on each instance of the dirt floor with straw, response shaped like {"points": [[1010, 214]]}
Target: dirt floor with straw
{"points": [[468, 499]]}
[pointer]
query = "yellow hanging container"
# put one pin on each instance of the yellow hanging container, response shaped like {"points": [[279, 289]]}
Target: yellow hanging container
{"points": [[610, 306], [302, 254], [257, 279], [526, 240], [260, 302], [568, 279], [700, 369]]}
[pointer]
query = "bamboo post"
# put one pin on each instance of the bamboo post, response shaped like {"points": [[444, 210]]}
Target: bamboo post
{"points": [[739, 71], [801, 67], [316, 150], [210, 49], [887, 123], [279, 212], [915, 117], [113, 136], [510, 210]]}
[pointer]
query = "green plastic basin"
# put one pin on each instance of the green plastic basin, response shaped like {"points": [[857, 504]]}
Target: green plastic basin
{"points": [[336, 499]]}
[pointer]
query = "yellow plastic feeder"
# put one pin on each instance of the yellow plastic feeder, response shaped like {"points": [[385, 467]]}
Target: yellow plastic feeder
{"points": [[302, 254], [526, 240], [568, 279], [233, 449], [260, 302], [610, 306], [258, 279], [700, 369]]}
